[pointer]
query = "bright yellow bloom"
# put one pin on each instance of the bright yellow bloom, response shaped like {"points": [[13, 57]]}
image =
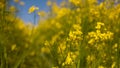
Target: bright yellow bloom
{"points": [[99, 25], [113, 65], [68, 59], [91, 41], [32, 9], [101, 67], [75, 2]]}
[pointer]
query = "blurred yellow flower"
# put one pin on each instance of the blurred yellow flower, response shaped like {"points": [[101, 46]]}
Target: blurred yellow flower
{"points": [[101, 67], [49, 3], [1, 5], [55, 8], [61, 47], [90, 58], [32, 53], [91, 41], [21, 3], [13, 9], [41, 13], [16, 1], [32, 9], [63, 11], [13, 47], [75, 2], [45, 50], [113, 65]]}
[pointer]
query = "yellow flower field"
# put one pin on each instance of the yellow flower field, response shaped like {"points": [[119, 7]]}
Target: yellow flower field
{"points": [[74, 34]]}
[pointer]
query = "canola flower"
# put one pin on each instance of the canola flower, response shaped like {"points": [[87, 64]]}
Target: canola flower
{"points": [[98, 35], [41, 13], [13, 9], [68, 59], [1, 5], [16, 1], [21, 3], [32, 9], [13, 47], [49, 3], [75, 34], [75, 2]]}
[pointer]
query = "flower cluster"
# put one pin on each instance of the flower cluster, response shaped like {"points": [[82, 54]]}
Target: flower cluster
{"points": [[98, 35]]}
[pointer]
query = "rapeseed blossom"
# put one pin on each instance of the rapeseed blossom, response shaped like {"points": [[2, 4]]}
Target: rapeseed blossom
{"points": [[49, 3], [21, 3], [68, 59], [1, 5], [73, 34], [13, 47], [41, 13], [32, 9], [75, 2], [13, 9], [16, 1]]}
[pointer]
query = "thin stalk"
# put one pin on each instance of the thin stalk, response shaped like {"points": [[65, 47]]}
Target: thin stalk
{"points": [[23, 56]]}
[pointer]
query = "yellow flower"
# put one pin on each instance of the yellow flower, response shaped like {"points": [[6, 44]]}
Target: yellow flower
{"points": [[115, 46], [76, 26], [45, 50], [72, 36], [99, 24], [91, 41], [75, 2], [98, 27], [13, 9], [113, 65], [16, 1], [1, 5], [55, 67], [41, 13], [55, 8], [92, 1], [32, 9], [49, 3], [61, 47], [68, 59], [90, 58], [78, 9], [100, 67], [21, 3], [32, 53], [63, 11], [13, 47]]}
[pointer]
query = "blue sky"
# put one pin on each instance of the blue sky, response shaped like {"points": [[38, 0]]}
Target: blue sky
{"points": [[23, 10]]}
